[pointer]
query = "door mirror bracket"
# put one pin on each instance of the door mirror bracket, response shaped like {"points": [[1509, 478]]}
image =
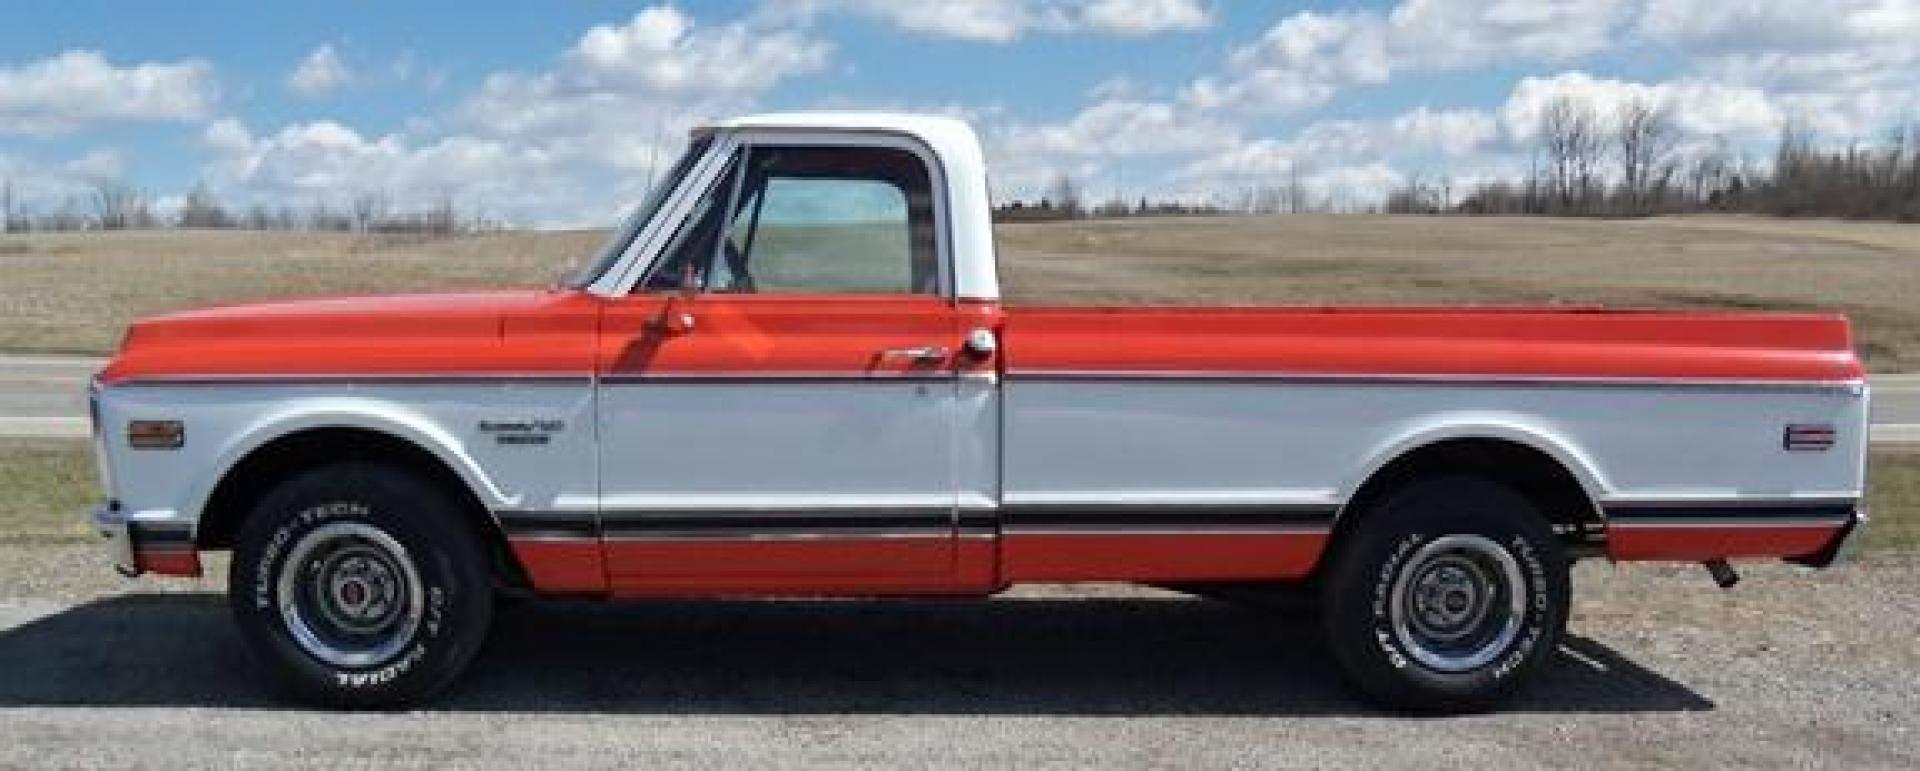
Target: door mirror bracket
{"points": [[981, 342]]}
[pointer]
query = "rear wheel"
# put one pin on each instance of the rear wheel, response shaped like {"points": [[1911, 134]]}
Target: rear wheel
{"points": [[1448, 596], [360, 585]]}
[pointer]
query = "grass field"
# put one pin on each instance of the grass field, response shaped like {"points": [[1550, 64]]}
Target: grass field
{"points": [[46, 489], [47, 486], [76, 292]]}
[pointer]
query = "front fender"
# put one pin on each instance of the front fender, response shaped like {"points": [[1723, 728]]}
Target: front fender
{"points": [[377, 415]]}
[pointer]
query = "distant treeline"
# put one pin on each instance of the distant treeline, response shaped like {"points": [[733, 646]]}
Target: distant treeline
{"points": [[1063, 201], [111, 205], [1632, 164]]}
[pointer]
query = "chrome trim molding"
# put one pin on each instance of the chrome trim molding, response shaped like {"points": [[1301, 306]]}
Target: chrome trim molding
{"points": [[1788, 386], [1745, 513], [504, 378], [903, 521], [762, 378], [1316, 378]]}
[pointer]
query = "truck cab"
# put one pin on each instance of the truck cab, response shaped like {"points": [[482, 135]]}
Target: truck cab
{"points": [[790, 373]]}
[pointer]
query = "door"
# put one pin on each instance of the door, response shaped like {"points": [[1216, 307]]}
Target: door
{"points": [[778, 394]]}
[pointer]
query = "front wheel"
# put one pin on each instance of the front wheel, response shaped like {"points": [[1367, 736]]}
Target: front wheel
{"points": [[1448, 596], [360, 585]]}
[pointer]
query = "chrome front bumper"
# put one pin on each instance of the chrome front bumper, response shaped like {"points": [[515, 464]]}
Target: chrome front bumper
{"points": [[110, 521]]}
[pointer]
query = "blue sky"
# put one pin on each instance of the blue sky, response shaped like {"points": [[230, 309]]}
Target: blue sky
{"points": [[553, 113]]}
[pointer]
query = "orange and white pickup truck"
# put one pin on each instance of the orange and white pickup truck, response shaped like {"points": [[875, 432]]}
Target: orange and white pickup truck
{"points": [[791, 374]]}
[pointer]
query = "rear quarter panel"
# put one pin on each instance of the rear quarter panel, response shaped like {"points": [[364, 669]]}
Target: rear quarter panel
{"points": [[1297, 407]]}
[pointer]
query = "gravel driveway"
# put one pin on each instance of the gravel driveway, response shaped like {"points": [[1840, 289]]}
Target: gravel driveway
{"points": [[1790, 669]]}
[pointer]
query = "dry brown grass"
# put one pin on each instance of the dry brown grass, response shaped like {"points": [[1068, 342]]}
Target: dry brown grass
{"points": [[76, 292], [46, 488]]}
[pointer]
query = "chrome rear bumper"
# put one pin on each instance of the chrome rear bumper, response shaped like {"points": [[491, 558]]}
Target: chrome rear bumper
{"points": [[1842, 546]]}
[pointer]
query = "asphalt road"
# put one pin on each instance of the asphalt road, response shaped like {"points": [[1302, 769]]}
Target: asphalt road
{"points": [[45, 396], [1790, 669]]}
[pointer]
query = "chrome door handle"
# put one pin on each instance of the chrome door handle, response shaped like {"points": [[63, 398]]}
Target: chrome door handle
{"points": [[917, 353]]}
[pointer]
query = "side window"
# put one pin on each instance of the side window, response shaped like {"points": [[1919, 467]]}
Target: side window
{"points": [[812, 219]]}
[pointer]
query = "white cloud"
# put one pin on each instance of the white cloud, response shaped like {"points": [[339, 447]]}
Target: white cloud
{"points": [[622, 91], [328, 162], [1413, 137], [1829, 45], [1003, 21], [1469, 33], [1306, 58], [321, 73], [1119, 128], [1330, 161], [1847, 68], [99, 164], [78, 88], [1299, 63], [1144, 17], [1699, 107], [227, 136], [45, 187], [1455, 133], [661, 51]]}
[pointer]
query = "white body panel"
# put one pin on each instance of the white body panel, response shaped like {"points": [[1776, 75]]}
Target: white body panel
{"points": [[935, 443], [792, 444], [1160, 441]]}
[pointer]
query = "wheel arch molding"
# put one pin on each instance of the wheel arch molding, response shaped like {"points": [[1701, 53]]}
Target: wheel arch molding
{"points": [[1547, 473], [274, 450]]}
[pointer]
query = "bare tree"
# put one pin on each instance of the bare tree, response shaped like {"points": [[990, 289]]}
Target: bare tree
{"points": [[1643, 138], [1064, 194], [1296, 194], [9, 218], [117, 206], [202, 209], [1571, 141], [368, 207], [1708, 173]]}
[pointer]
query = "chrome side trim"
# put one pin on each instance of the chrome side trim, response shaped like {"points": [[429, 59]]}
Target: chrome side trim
{"points": [[760, 378], [1630, 507], [545, 378], [687, 378], [1651, 523], [504, 378], [1808, 511], [1012, 531], [1852, 387]]}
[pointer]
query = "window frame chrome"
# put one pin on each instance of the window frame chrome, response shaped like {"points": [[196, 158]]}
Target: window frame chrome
{"points": [[648, 246]]}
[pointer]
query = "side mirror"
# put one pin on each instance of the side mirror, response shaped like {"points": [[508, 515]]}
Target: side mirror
{"points": [[981, 342], [689, 281]]}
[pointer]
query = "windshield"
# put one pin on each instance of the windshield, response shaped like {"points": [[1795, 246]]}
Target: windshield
{"points": [[630, 228]]}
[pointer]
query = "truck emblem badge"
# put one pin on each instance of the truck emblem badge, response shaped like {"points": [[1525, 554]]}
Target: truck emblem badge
{"points": [[517, 432]]}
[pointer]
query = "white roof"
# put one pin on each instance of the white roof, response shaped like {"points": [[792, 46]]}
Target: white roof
{"points": [[847, 119]]}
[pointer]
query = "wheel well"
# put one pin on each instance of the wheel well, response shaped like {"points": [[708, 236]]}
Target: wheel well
{"points": [[276, 461], [1539, 477]]}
